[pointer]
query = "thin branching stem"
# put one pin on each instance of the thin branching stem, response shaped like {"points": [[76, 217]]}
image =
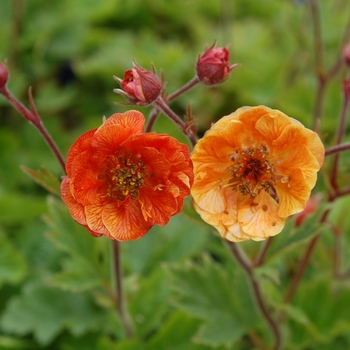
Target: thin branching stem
{"points": [[118, 279], [247, 266], [34, 118], [337, 149], [155, 111], [159, 102], [259, 259], [340, 135]]}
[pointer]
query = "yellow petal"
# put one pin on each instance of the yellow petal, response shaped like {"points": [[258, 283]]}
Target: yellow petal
{"points": [[260, 221], [293, 194]]}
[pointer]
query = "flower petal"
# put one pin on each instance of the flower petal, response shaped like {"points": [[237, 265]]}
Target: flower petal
{"points": [[293, 194], [295, 135], [125, 222], [82, 144], [260, 221]]}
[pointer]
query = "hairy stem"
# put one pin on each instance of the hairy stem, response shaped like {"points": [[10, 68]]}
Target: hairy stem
{"points": [[194, 81], [118, 279], [155, 111], [247, 266], [159, 102]]}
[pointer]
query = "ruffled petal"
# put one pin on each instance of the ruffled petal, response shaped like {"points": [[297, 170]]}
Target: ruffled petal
{"points": [[82, 144], [295, 135], [260, 221], [159, 204], [293, 194], [125, 222]]}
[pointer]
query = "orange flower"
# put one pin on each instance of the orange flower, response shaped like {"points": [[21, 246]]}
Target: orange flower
{"points": [[121, 181], [253, 169]]}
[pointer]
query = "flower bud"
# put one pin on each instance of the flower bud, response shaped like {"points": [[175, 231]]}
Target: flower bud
{"points": [[213, 65], [140, 86], [4, 75], [346, 54]]}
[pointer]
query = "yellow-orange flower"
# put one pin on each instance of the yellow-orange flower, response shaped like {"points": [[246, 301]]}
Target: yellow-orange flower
{"points": [[253, 169], [121, 181]]}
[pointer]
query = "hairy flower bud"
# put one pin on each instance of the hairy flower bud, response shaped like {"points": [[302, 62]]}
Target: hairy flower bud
{"points": [[139, 85], [213, 65], [4, 75]]}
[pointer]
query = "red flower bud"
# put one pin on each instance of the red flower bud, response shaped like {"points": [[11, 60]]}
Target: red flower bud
{"points": [[4, 75], [213, 65], [140, 86], [346, 54]]}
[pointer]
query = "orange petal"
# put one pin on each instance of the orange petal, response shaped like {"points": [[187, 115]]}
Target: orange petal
{"points": [[271, 125], [208, 193], [85, 187], [94, 219], [295, 135], [131, 119], [125, 222], [158, 204], [247, 115], [81, 145], [76, 209], [297, 157], [293, 194], [260, 221]]}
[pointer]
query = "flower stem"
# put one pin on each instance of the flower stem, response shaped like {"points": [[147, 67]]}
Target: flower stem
{"points": [[159, 102], [155, 111], [247, 266], [259, 259], [340, 135], [118, 279], [194, 81], [33, 117], [337, 148]]}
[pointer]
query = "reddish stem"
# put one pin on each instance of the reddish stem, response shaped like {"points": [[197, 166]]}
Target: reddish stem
{"points": [[159, 102], [337, 149], [247, 266], [340, 135], [34, 119]]}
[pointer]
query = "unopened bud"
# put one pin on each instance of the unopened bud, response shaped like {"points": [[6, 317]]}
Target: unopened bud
{"points": [[346, 54], [213, 65], [4, 75], [140, 86]]}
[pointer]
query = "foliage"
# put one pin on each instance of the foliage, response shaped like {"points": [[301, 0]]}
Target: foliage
{"points": [[184, 290]]}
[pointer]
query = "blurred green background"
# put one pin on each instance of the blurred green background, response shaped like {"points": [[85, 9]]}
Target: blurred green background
{"points": [[183, 288]]}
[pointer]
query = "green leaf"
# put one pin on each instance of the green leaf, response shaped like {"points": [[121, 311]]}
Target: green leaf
{"points": [[177, 334], [13, 266], [176, 241], [44, 178], [46, 311], [148, 304], [292, 236], [88, 264], [77, 276], [17, 208], [219, 298]]}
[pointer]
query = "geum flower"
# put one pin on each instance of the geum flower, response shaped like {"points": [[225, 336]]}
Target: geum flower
{"points": [[121, 181], [253, 169]]}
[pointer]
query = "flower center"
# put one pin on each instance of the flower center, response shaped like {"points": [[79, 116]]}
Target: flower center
{"points": [[125, 174], [252, 171]]}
